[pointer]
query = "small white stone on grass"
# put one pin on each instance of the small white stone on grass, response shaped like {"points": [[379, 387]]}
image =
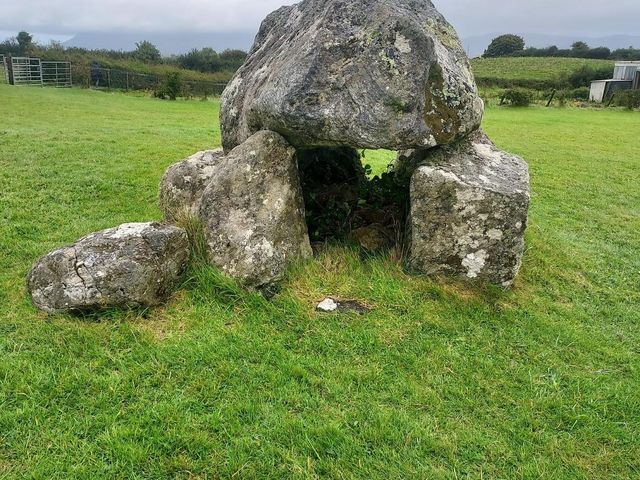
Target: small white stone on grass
{"points": [[327, 305]]}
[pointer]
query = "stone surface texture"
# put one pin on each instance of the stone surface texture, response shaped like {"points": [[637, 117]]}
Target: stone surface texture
{"points": [[252, 212], [133, 265], [182, 185], [357, 73], [469, 208]]}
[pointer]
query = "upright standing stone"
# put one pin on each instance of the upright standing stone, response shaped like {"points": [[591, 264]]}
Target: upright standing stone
{"points": [[356, 73], [252, 212], [469, 208]]}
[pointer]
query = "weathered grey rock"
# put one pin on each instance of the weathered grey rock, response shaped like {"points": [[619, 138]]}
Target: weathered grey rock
{"points": [[469, 209], [252, 212], [183, 183], [133, 265], [358, 73]]}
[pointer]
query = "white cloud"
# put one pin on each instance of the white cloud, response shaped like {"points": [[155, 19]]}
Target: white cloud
{"points": [[589, 18], [70, 16], [471, 17]]}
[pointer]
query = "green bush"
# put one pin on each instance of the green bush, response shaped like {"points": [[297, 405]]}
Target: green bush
{"points": [[518, 97], [533, 84], [171, 87], [581, 93], [565, 95], [146, 52], [208, 60], [504, 45], [583, 76], [561, 96], [628, 98]]}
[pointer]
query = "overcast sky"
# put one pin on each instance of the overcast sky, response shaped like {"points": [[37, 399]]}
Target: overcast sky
{"points": [[470, 17]]}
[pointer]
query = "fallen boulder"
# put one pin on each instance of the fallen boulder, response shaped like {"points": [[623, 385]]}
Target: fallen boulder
{"points": [[469, 209], [357, 73], [133, 265], [182, 185], [252, 212]]}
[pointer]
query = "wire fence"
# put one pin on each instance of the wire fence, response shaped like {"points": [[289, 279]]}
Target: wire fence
{"points": [[114, 79], [61, 74]]}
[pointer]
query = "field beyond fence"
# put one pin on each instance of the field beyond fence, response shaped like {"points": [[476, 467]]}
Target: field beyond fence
{"points": [[530, 72]]}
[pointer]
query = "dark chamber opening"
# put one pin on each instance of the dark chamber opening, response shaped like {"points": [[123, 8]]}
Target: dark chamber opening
{"points": [[344, 201]]}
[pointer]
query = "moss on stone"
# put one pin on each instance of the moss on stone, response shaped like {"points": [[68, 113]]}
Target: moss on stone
{"points": [[445, 33], [442, 120]]}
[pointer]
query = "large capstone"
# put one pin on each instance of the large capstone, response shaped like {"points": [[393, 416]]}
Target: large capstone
{"points": [[133, 265], [358, 73], [182, 185], [469, 208], [252, 212]]}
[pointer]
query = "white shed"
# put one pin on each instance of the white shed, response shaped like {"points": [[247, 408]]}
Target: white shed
{"points": [[624, 78], [626, 70]]}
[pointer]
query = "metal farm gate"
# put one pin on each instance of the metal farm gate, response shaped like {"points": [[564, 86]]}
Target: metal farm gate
{"points": [[56, 74], [26, 71], [33, 71], [4, 73]]}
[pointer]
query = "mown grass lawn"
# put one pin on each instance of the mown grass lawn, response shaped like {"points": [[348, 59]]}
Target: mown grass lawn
{"points": [[441, 380]]}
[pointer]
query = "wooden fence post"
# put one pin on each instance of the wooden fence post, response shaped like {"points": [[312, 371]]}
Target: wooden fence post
{"points": [[553, 94]]}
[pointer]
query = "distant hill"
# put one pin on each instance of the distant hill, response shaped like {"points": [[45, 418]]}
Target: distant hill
{"points": [[167, 43], [476, 45]]}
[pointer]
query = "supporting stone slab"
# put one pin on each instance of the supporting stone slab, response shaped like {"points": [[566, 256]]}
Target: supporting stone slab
{"points": [[469, 210], [252, 212]]}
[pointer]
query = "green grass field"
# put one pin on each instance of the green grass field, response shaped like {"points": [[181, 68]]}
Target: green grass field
{"points": [[531, 68], [442, 380]]}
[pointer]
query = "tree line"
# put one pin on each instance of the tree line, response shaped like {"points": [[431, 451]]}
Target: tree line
{"points": [[510, 45], [205, 60]]}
